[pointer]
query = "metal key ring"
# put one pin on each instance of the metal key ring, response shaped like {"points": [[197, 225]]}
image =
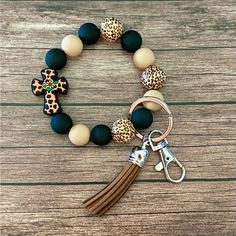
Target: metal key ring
{"points": [[163, 105]]}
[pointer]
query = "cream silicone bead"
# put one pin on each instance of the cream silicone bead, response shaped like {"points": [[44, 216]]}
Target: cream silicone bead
{"points": [[79, 135], [72, 45], [143, 58], [152, 106]]}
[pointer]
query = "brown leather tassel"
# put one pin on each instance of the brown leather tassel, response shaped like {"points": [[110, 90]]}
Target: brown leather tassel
{"points": [[101, 202]]}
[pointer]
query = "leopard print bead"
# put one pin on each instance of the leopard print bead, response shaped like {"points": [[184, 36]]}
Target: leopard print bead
{"points": [[111, 29], [153, 77], [122, 131]]}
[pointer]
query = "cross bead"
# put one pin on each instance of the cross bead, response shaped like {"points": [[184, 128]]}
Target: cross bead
{"points": [[50, 86]]}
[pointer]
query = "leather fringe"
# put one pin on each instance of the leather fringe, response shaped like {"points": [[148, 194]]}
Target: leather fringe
{"points": [[101, 202]]}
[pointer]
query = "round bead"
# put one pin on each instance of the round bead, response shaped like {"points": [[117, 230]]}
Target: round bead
{"points": [[111, 29], [131, 41], [101, 135], [152, 106], [61, 123], [55, 58], [142, 118], [72, 45], [122, 131], [79, 135], [143, 58], [89, 33], [153, 77]]}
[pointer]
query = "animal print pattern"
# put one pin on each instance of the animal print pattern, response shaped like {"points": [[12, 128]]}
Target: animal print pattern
{"points": [[50, 86], [153, 77], [122, 131], [111, 29]]}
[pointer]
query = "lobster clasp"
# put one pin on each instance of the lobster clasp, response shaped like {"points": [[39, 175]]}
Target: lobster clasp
{"points": [[166, 157]]}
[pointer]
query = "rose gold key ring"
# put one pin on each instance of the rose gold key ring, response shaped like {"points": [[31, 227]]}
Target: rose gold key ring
{"points": [[164, 106]]}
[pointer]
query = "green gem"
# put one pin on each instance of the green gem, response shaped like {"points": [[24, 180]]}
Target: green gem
{"points": [[49, 88]]}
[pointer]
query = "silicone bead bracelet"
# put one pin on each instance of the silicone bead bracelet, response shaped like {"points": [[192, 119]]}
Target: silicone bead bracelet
{"points": [[122, 130]]}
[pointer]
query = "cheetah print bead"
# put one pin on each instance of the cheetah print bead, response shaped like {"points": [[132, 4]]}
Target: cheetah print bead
{"points": [[122, 131], [111, 29], [153, 77], [50, 86]]}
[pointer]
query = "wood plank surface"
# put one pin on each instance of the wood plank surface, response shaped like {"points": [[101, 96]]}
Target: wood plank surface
{"points": [[89, 83], [44, 179], [195, 125], [163, 24], [200, 144], [147, 208]]}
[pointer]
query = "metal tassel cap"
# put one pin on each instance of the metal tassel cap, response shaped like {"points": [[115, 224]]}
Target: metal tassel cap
{"points": [[139, 156]]}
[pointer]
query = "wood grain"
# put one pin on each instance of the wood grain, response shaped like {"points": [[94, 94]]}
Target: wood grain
{"points": [[63, 164], [146, 209], [201, 144], [195, 125], [92, 77], [164, 24], [44, 179]]}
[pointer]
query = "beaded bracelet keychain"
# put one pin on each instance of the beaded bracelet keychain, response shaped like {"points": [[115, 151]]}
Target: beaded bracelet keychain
{"points": [[123, 130]]}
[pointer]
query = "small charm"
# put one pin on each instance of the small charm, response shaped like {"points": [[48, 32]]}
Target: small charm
{"points": [[111, 29], [122, 131], [50, 86], [153, 77]]}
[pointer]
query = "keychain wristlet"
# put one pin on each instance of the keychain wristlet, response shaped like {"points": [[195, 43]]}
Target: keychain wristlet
{"points": [[123, 130]]}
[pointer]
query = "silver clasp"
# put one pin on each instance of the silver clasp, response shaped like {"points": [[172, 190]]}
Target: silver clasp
{"points": [[166, 157]]}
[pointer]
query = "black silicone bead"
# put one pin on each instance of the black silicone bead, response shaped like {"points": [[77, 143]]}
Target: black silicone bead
{"points": [[142, 118], [89, 33], [101, 135], [56, 58], [131, 41], [61, 123]]}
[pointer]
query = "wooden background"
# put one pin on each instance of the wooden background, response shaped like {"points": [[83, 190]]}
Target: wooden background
{"points": [[44, 179]]}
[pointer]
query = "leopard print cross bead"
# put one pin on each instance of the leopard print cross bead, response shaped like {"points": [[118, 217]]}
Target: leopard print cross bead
{"points": [[50, 86], [111, 29], [153, 77]]}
